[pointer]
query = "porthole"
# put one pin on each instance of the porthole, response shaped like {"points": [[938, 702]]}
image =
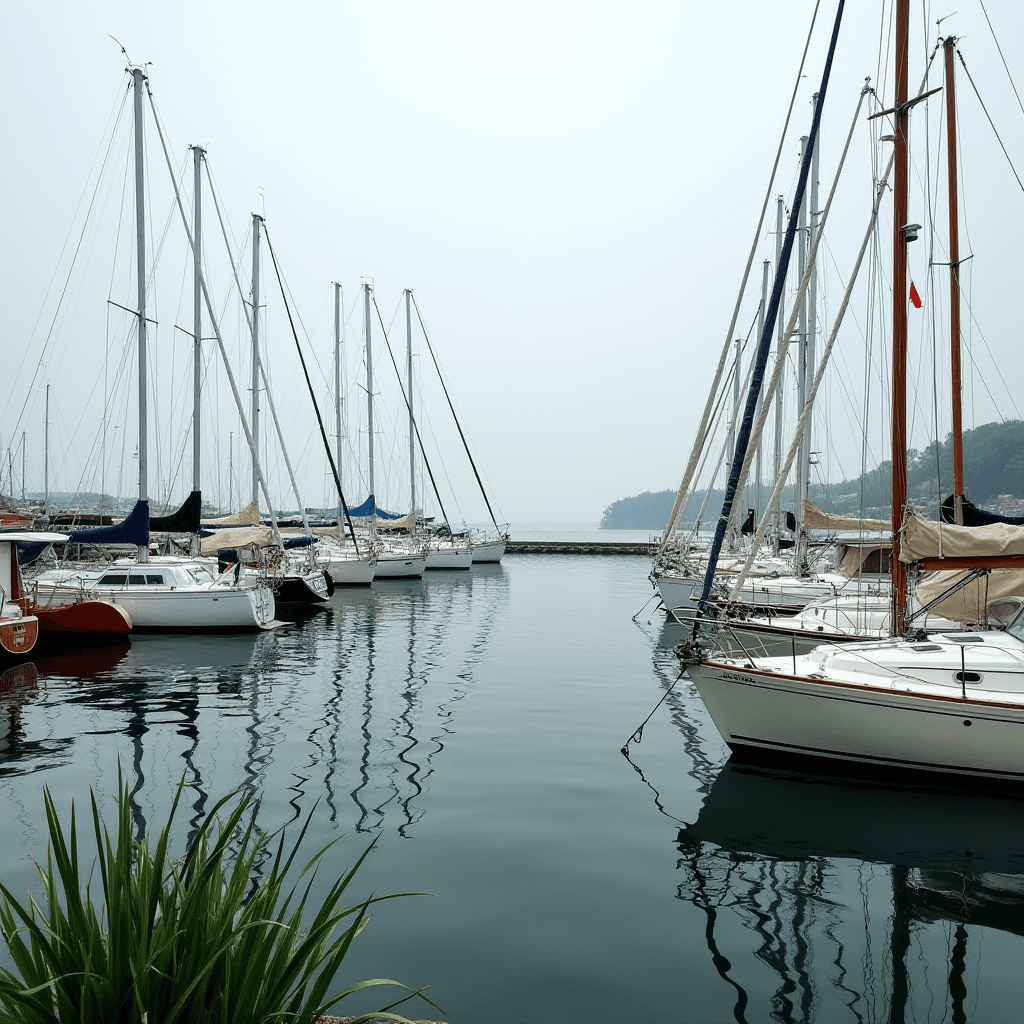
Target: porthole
{"points": [[967, 677]]}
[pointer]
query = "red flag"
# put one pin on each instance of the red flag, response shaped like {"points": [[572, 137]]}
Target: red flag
{"points": [[915, 298]]}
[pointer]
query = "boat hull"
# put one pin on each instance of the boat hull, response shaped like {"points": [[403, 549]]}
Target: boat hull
{"points": [[18, 636], [303, 588], [352, 572], [761, 713], [392, 566], [489, 551], [450, 558], [81, 620], [217, 610]]}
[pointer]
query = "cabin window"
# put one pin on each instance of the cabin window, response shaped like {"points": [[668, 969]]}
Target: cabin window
{"points": [[136, 581], [967, 677], [113, 580], [154, 580]]}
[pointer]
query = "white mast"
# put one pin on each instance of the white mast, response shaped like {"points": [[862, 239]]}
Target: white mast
{"points": [[780, 211], [197, 313], [808, 348], [139, 77], [46, 457], [412, 425], [369, 404], [255, 418], [337, 389]]}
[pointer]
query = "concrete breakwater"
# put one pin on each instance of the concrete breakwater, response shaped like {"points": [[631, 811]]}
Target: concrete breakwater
{"points": [[575, 547]]}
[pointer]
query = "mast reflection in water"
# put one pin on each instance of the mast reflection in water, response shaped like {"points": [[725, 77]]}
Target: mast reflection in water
{"points": [[830, 898], [336, 706]]}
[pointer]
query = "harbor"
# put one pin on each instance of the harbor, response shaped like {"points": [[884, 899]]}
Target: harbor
{"points": [[328, 692], [456, 719]]}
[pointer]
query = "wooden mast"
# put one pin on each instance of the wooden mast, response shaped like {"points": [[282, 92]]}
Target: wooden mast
{"points": [[899, 314], [954, 286]]}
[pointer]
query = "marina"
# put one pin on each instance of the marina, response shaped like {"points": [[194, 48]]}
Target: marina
{"points": [[455, 717], [278, 672]]}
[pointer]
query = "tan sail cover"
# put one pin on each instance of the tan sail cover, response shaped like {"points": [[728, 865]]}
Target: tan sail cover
{"points": [[261, 536], [969, 604], [405, 523], [815, 519], [249, 516], [925, 538]]}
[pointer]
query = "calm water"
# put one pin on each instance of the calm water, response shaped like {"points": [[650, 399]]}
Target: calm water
{"points": [[474, 721]]}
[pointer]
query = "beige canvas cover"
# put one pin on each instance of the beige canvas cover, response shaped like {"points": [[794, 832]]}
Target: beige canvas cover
{"points": [[815, 519], [405, 523], [925, 538], [854, 556], [969, 604], [261, 536], [249, 516]]}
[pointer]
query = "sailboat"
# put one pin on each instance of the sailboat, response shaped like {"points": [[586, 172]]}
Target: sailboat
{"points": [[486, 547], [396, 559], [947, 702], [169, 592]]}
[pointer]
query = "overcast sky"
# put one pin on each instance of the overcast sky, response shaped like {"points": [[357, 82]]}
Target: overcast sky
{"points": [[570, 189]]}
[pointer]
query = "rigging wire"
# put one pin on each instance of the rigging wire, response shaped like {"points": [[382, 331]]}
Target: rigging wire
{"points": [[423, 452], [40, 363], [1001, 57], [989, 117], [430, 348]]}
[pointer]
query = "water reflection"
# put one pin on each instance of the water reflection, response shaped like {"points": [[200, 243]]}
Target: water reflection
{"points": [[842, 898], [351, 705]]}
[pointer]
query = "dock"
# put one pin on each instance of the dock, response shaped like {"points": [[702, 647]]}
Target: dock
{"points": [[572, 547]]}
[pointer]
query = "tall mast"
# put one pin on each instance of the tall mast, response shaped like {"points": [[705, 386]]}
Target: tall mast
{"points": [[23, 465], [257, 220], [765, 281], [197, 311], [954, 286], [808, 348], [337, 384], [899, 313], [139, 78], [46, 457], [801, 372], [412, 425], [730, 447], [369, 404], [780, 213]]}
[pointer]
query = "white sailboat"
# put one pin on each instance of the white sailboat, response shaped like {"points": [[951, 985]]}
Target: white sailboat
{"points": [[168, 592], [396, 559], [949, 702]]}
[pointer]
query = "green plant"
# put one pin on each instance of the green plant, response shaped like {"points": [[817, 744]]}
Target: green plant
{"points": [[193, 940]]}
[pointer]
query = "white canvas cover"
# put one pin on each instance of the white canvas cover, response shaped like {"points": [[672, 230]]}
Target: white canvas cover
{"points": [[248, 516], [969, 603], [925, 538], [815, 519], [261, 536]]}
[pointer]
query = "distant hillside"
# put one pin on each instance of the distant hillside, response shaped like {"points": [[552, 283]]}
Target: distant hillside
{"points": [[650, 510], [993, 465]]}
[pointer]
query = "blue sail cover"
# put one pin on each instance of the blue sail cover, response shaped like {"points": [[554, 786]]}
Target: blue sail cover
{"points": [[133, 529], [369, 508]]}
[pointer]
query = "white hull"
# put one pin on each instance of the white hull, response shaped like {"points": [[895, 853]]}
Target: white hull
{"points": [[219, 609], [893, 705], [489, 551], [168, 593], [350, 572], [450, 558], [393, 565]]}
